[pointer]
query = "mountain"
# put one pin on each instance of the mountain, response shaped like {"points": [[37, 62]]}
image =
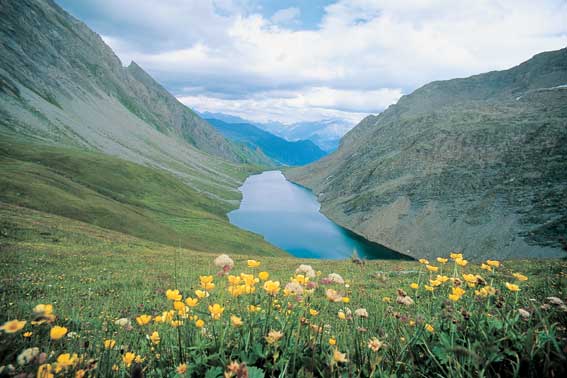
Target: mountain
{"points": [[61, 84], [325, 133], [280, 150], [85, 138], [477, 164]]}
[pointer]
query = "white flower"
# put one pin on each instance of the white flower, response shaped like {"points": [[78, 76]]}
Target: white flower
{"points": [[524, 314], [294, 288], [306, 270], [27, 355], [554, 301], [361, 312], [336, 278], [123, 322], [223, 261]]}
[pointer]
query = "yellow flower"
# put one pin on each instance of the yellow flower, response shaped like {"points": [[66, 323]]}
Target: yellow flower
{"points": [[45, 371], [493, 263], [57, 332], [387, 299], [253, 308], [456, 294], [341, 315], [253, 263], [44, 309], [199, 323], [374, 344], [313, 312], [80, 373], [216, 311], [139, 359], [432, 268], [13, 326], [458, 291], [428, 288], [455, 256], [191, 302], [128, 358], [272, 287], [154, 338], [109, 343], [454, 297], [346, 299], [339, 357], [414, 285], [423, 261], [411, 323], [429, 328], [143, 319], [442, 279], [236, 321], [486, 267], [332, 341], [115, 367], [233, 280], [206, 282], [201, 294], [520, 276], [64, 361], [28, 334], [173, 295], [273, 337], [435, 283], [441, 260], [512, 287], [264, 275], [461, 262], [176, 323], [181, 369], [471, 278]]}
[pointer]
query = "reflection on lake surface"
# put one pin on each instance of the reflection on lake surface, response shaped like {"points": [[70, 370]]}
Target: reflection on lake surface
{"points": [[288, 216]]}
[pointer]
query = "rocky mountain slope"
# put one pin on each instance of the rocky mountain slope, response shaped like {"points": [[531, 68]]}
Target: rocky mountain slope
{"points": [[476, 164], [284, 152], [61, 84]]}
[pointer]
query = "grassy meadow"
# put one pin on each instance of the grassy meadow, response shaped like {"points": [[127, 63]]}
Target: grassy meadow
{"points": [[122, 196], [90, 302]]}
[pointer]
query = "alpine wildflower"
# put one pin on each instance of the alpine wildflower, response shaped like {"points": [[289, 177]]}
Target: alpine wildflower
{"points": [[13, 326]]}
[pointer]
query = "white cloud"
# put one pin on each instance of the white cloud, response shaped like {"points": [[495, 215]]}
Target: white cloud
{"points": [[309, 104], [363, 54], [286, 16]]}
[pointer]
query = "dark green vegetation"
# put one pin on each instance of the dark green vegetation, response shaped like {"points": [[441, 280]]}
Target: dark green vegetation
{"points": [[476, 164], [121, 196], [278, 149]]}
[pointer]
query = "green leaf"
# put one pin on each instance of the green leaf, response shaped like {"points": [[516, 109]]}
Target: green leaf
{"points": [[254, 372]]}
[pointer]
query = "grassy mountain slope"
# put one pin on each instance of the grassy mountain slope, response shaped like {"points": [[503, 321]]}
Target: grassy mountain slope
{"points": [[475, 164], [117, 195], [282, 151], [61, 84]]}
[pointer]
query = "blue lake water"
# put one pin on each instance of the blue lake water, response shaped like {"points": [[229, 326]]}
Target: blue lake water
{"points": [[288, 216]]}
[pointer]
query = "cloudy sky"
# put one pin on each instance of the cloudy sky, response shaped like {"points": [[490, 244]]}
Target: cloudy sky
{"points": [[294, 60]]}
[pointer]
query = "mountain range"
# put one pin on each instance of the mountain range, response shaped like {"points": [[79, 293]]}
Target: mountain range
{"points": [[325, 133], [284, 152], [476, 164]]}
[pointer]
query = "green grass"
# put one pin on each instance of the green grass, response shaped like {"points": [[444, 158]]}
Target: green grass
{"points": [[94, 276], [118, 195]]}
